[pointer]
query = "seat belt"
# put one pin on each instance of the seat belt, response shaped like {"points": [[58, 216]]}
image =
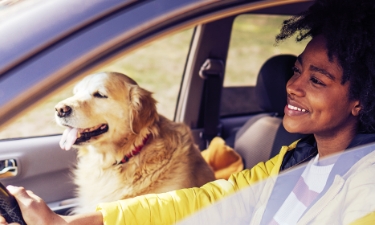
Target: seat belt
{"points": [[212, 71]]}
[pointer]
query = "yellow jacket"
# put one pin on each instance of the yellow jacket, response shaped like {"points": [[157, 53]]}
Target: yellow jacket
{"points": [[157, 208], [175, 206]]}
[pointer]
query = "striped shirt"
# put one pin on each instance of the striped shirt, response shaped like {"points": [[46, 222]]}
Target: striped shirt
{"points": [[308, 187]]}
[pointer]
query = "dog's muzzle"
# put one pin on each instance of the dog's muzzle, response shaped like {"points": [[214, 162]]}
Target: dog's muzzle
{"points": [[63, 111]]}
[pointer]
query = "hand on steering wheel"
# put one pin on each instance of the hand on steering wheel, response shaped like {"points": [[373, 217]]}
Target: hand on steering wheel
{"points": [[34, 209], [9, 209]]}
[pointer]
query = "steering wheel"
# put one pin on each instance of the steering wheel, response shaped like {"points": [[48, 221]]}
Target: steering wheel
{"points": [[9, 208]]}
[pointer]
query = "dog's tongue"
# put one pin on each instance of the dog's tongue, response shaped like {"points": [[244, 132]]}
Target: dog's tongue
{"points": [[68, 138]]}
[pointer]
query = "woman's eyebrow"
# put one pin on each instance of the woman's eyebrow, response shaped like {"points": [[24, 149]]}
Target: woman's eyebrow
{"points": [[317, 69], [322, 71]]}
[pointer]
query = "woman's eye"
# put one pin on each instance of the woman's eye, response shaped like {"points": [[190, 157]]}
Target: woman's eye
{"points": [[98, 95], [295, 69], [316, 81]]}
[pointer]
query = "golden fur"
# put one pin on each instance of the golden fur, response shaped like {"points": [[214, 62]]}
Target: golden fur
{"points": [[169, 159]]}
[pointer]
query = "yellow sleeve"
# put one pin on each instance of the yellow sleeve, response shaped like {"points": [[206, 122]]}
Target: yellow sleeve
{"points": [[170, 207], [369, 219]]}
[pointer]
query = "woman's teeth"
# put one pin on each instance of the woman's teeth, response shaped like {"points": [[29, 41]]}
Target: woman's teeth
{"points": [[296, 108]]}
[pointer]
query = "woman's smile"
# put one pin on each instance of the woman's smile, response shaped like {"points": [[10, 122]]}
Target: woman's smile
{"points": [[318, 103], [293, 110]]}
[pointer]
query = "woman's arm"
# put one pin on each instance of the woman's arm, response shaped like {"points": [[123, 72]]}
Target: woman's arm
{"points": [[167, 208], [35, 211]]}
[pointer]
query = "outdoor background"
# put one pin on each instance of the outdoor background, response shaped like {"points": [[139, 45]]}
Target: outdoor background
{"points": [[158, 67]]}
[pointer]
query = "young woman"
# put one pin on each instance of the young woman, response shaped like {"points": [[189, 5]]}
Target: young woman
{"points": [[331, 96]]}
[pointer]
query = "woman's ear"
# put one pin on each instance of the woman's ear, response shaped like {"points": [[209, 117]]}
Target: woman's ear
{"points": [[357, 108]]}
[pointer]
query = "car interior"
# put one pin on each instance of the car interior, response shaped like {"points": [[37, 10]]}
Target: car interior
{"points": [[247, 117], [265, 130]]}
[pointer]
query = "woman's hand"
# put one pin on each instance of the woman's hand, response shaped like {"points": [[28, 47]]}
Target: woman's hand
{"points": [[4, 222], [34, 209], [36, 212]]}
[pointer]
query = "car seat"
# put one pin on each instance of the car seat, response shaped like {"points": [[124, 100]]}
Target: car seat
{"points": [[262, 136]]}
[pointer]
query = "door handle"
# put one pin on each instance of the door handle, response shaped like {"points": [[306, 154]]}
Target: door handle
{"points": [[8, 168]]}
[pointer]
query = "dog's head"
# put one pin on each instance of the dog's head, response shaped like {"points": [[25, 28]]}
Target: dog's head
{"points": [[106, 108]]}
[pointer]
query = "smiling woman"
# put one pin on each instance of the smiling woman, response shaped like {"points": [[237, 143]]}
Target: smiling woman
{"points": [[335, 68], [318, 101]]}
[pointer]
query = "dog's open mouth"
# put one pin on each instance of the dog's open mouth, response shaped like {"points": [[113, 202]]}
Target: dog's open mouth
{"points": [[86, 134], [73, 136]]}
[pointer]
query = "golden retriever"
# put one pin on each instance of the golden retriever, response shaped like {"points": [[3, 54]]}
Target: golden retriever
{"points": [[125, 148]]}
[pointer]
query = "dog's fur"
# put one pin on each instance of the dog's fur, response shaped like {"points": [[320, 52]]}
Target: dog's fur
{"points": [[169, 159]]}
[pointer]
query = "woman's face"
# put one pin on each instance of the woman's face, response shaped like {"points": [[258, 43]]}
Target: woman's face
{"points": [[318, 103]]}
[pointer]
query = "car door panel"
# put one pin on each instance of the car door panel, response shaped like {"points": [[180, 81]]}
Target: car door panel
{"points": [[42, 166]]}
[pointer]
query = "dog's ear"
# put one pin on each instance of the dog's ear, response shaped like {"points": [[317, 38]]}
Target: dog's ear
{"points": [[143, 109]]}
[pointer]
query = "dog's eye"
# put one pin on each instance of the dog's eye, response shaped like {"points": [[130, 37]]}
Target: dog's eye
{"points": [[98, 95]]}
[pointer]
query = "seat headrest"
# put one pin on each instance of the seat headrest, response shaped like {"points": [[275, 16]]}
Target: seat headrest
{"points": [[270, 89]]}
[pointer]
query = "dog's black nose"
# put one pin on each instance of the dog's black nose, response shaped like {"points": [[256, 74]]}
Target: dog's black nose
{"points": [[63, 111]]}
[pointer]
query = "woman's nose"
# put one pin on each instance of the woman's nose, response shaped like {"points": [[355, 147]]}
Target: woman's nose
{"points": [[295, 85]]}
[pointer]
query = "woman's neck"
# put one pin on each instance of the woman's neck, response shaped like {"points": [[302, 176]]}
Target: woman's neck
{"points": [[335, 143]]}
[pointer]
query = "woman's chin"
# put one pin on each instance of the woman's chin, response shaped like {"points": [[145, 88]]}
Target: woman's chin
{"points": [[294, 127]]}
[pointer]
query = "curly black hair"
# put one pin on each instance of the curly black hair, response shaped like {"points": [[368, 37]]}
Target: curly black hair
{"points": [[349, 29]]}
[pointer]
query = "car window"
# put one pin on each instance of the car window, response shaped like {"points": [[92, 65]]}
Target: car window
{"points": [[157, 67], [252, 43]]}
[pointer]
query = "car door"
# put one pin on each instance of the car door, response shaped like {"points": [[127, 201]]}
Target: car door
{"points": [[106, 41], [40, 77]]}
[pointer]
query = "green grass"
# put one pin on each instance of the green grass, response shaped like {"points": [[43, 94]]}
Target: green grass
{"points": [[158, 67], [252, 43]]}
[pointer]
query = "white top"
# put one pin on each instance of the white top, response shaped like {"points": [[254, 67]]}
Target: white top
{"points": [[308, 187]]}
